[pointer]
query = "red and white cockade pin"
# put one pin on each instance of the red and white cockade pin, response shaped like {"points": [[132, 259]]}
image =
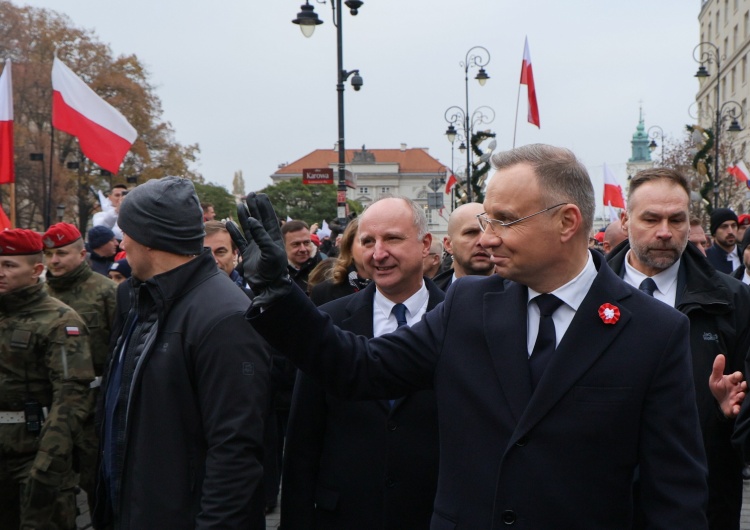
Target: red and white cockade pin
{"points": [[609, 313]]}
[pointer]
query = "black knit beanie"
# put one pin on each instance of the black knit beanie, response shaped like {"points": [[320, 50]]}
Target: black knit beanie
{"points": [[720, 216], [164, 214]]}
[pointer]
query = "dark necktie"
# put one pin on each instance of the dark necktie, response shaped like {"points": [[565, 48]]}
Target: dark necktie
{"points": [[648, 286], [545, 340], [399, 311]]}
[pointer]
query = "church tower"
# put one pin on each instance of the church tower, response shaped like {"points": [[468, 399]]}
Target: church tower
{"points": [[641, 154]]}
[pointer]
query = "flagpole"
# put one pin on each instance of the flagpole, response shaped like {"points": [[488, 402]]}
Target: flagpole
{"points": [[48, 209], [515, 122], [12, 204]]}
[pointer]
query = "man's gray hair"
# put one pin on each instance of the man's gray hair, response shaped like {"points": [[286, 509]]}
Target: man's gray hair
{"points": [[419, 218], [561, 177]]}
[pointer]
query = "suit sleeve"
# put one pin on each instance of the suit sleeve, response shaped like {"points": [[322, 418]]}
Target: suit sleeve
{"points": [[302, 452], [348, 365], [231, 383], [672, 462]]}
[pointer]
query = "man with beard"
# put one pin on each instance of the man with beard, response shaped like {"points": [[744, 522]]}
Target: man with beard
{"points": [[462, 242], [723, 253], [659, 262]]}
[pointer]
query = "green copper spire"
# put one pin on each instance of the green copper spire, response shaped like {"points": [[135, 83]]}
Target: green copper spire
{"points": [[641, 152]]}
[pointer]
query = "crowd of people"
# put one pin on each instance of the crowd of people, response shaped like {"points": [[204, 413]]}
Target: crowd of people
{"points": [[525, 370]]}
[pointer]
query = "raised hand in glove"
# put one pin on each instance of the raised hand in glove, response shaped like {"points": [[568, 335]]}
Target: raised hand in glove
{"points": [[264, 259]]}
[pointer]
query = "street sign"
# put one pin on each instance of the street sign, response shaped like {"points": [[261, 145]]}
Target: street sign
{"points": [[434, 201], [321, 175], [434, 184], [351, 179]]}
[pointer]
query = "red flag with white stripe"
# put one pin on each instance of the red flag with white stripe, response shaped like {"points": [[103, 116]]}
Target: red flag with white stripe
{"points": [[612, 190], [105, 136], [452, 181], [739, 172], [527, 78], [7, 166]]}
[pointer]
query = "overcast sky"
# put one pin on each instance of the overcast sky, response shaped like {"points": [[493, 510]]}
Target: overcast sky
{"points": [[237, 77]]}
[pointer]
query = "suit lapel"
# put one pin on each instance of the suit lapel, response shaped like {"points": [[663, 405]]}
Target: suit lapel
{"points": [[505, 330], [585, 340]]}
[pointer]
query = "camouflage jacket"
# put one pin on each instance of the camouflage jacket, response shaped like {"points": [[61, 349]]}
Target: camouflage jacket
{"points": [[44, 355], [93, 297]]}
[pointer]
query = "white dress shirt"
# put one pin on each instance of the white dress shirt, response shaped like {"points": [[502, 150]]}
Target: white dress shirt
{"points": [[383, 319], [572, 294], [666, 280]]}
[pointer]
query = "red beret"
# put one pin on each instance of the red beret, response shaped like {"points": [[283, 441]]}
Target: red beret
{"points": [[20, 242], [743, 219], [60, 235], [599, 236]]}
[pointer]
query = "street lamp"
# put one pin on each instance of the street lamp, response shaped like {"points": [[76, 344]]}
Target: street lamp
{"points": [[60, 212], [307, 19], [463, 118], [733, 109], [658, 132]]}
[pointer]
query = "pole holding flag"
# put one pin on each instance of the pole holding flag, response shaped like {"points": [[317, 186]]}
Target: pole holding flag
{"points": [[527, 78], [612, 191], [740, 173], [103, 133], [7, 162]]}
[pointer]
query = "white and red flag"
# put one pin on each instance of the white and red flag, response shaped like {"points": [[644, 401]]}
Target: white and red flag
{"points": [[7, 166], [105, 136], [612, 190], [739, 172], [452, 181], [527, 78]]}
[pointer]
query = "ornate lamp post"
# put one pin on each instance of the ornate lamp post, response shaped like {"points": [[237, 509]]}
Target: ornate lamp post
{"points": [[307, 19], [725, 111], [658, 132], [463, 119]]}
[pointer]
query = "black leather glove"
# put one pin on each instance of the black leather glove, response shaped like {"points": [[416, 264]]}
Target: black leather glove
{"points": [[264, 259]]}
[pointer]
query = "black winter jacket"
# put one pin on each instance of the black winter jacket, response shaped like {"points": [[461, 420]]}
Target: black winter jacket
{"points": [[189, 450]]}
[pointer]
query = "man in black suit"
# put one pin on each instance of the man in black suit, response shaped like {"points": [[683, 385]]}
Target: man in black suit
{"points": [[657, 222], [520, 443], [368, 464], [462, 242]]}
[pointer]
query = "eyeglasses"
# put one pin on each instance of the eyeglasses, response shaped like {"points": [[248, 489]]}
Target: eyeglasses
{"points": [[485, 222]]}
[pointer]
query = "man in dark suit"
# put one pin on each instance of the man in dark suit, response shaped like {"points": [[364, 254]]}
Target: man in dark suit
{"points": [[462, 242], [657, 222], [368, 464], [521, 444]]}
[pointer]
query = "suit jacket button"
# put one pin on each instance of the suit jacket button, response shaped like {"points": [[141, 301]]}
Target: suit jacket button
{"points": [[523, 440], [509, 517], [392, 426]]}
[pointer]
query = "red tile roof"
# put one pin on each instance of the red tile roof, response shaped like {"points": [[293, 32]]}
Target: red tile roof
{"points": [[414, 160]]}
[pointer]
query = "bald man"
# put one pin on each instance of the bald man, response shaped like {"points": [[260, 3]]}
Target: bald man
{"points": [[613, 236], [462, 242], [431, 262]]}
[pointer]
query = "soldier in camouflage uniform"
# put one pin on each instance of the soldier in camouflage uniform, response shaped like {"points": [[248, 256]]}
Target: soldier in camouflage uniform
{"points": [[45, 371], [71, 280]]}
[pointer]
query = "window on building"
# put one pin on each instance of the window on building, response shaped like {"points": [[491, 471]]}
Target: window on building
{"points": [[745, 25], [385, 190], [364, 191], [717, 21], [726, 45], [726, 11], [735, 37], [428, 214], [744, 69], [744, 110], [736, 5], [731, 80], [724, 85]]}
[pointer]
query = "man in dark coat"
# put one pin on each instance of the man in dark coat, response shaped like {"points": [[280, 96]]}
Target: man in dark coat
{"points": [[657, 221], [302, 257], [723, 253], [545, 415], [369, 465], [185, 391]]}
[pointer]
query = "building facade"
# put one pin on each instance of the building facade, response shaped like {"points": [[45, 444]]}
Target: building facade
{"points": [[408, 172]]}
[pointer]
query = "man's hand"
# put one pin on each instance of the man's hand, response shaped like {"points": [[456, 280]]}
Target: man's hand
{"points": [[728, 390], [263, 256]]}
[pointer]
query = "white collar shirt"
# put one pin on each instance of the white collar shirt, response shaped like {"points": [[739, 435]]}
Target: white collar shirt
{"points": [[383, 319], [666, 280]]}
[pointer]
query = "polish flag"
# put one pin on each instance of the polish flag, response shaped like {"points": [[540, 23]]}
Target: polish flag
{"points": [[105, 136], [7, 167], [739, 171], [527, 78], [612, 190], [452, 181]]}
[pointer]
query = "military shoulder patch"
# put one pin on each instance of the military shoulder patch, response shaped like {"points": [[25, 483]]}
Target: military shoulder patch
{"points": [[72, 331]]}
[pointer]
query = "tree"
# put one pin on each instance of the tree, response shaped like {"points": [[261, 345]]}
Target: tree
{"points": [[238, 184], [223, 201], [31, 37], [309, 203]]}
